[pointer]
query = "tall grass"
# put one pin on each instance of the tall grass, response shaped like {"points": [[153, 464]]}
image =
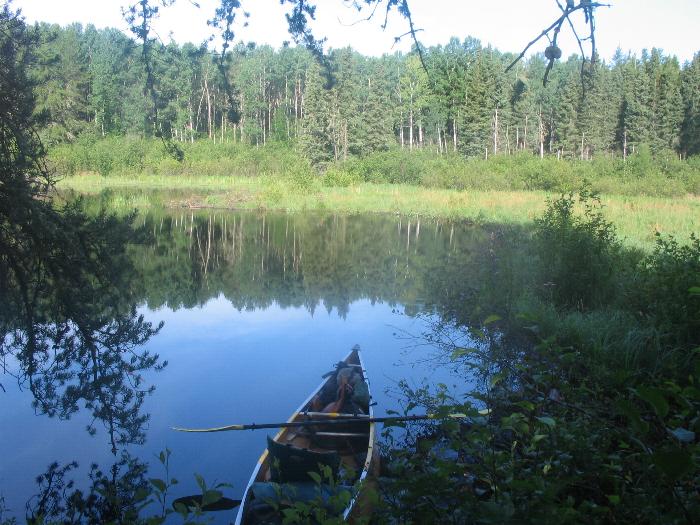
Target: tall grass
{"points": [[664, 176], [638, 218]]}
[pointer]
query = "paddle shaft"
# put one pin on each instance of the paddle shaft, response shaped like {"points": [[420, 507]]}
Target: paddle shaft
{"points": [[195, 501], [308, 422]]}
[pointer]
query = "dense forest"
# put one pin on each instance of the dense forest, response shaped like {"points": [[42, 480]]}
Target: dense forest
{"points": [[92, 81]]}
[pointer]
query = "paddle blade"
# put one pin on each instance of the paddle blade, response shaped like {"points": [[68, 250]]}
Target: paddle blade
{"points": [[194, 502]]}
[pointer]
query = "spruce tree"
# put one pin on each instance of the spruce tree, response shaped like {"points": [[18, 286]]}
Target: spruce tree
{"points": [[316, 139], [376, 132], [690, 130]]}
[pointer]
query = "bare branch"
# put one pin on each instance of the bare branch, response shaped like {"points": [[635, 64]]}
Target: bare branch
{"points": [[361, 20], [544, 33], [573, 30], [588, 7], [406, 12]]}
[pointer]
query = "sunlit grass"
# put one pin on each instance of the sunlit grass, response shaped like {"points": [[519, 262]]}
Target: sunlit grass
{"points": [[637, 218]]}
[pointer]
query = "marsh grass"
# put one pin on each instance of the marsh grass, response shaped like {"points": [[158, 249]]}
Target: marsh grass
{"points": [[637, 218]]}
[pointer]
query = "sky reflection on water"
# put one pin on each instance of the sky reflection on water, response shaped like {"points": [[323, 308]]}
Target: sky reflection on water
{"points": [[252, 362]]}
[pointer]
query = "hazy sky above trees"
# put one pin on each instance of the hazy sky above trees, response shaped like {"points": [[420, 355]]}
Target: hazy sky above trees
{"points": [[508, 24]]}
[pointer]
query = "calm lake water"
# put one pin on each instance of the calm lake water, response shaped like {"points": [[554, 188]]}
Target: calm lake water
{"points": [[256, 307]]}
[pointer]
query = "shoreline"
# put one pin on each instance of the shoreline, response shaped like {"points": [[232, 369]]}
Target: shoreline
{"points": [[637, 218]]}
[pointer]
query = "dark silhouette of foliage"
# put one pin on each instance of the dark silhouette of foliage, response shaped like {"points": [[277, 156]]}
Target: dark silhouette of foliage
{"points": [[64, 318]]}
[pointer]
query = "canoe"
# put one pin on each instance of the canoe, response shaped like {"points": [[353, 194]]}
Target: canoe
{"points": [[281, 478]]}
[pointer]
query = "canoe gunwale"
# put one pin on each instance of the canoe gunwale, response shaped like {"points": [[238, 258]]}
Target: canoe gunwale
{"points": [[300, 412]]}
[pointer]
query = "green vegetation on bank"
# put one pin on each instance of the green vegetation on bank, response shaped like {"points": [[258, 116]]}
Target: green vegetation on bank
{"points": [[638, 218], [507, 189], [640, 174], [589, 360]]}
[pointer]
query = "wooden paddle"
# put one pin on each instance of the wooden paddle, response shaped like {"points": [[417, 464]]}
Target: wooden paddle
{"points": [[195, 502], [334, 420]]}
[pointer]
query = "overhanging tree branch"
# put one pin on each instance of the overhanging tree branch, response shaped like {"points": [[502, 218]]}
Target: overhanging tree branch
{"points": [[553, 52]]}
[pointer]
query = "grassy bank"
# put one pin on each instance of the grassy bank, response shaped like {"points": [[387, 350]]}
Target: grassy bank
{"points": [[637, 218], [640, 174]]}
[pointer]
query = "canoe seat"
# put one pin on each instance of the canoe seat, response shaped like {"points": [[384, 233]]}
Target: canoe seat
{"points": [[343, 434], [289, 464]]}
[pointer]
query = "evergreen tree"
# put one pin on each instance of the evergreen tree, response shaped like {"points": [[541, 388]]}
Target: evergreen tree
{"points": [[108, 52], [376, 132], [92, 81], [636, 106], [566, 137], [316, 140], [598, 110], [668, 114], [690, 131], [63, 82]]}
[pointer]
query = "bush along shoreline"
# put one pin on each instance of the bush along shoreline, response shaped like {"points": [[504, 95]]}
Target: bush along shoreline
{"points": [[588, 406], [639, 174]]}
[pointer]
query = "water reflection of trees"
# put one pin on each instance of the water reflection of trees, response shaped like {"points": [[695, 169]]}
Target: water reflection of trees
{"points": [[116, 496], [70, 332], [302, 260], [68, 328]]}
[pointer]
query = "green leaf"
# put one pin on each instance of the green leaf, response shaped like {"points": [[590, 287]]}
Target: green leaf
{"points": [[479, 334], [655, 397], [694, 290], [159, 484], [181, 508], [492, 319], [495, 379], [316, 477], [496, 512], [627, 409], [526, 405], [141, 494], [674, 463], [546, 420], [614, 499], [211, 496], [200, 482]]}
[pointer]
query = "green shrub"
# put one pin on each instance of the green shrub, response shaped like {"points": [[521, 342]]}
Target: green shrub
{"points": [[668, 290], [642, 174], [339, 177], [578, 251]]}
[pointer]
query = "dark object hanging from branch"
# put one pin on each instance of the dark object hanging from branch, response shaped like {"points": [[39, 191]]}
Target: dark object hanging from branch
{"points": [[302, 11], [553, 52]]}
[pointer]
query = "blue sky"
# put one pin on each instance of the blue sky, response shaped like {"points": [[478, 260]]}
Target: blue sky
{"points": [[632, 25]]}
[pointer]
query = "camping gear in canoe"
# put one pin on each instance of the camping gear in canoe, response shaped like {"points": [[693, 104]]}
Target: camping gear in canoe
{"points": [[345, 449]]}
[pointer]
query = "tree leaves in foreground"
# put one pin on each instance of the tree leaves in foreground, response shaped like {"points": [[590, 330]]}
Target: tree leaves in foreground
{"points": [[586, 406], [67, 328]]}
